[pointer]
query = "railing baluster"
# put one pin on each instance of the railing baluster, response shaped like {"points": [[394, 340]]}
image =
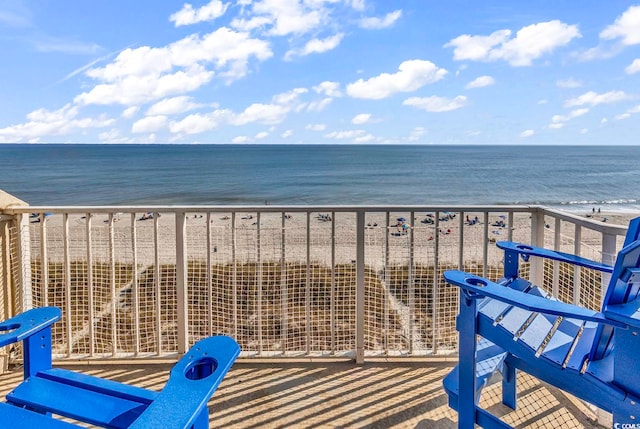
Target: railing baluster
{"points": [[360, 289], [555, 287], [67, 281], [112, 281], [92, 336], [410, 274], [135, 285], [307, 293], [436, 263], [259, 280], [332, 316], [209, 276], [284, 296], [157, 285], [24, 261], [577, 271], [461, 241], [485, 245], [234, 274], [386, 282], [181, 282], [45, 260]]}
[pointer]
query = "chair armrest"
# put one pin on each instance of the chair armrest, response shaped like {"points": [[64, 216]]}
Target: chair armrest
{"points": [[526, 251], [478, 287], [28, 323], [191, 384]]}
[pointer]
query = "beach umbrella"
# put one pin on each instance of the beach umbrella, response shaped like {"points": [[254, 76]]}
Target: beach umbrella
{"points": [[401, 219]]}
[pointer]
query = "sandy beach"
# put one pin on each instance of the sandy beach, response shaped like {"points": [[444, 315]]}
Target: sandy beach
{"points": [[392, 242]]}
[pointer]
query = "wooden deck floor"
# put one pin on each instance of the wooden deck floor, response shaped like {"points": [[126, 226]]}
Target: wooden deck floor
{"points": [[340, 394]]}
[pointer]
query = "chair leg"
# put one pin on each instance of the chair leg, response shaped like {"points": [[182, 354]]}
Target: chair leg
{"points": [[509, 392], [37, 352], [467, 363]]}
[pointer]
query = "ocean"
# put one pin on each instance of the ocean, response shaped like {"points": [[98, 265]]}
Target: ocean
{"points": [[574, 178]]}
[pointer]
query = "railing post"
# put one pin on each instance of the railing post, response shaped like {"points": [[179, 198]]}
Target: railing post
{"points": [[537, 239], [360, 290], [608, 257], [181, 281], [6, 294], [24, 261]]}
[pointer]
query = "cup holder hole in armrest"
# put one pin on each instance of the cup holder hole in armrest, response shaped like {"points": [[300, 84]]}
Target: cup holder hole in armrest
{"points": [[475, 281], [8, 328], [524, 247], [201, 368]]}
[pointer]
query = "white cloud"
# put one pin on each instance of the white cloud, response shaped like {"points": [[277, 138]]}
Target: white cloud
{"points": [[557, 119], [436, 104], [284, 17], [357, 4], [188, 15], [593, 99], [320, 105], [149, 124], [316, 127], [411, 75], [286, 134], [197, 123], [364, 138], [530, 43], [332, 89], [261, 135], [634, 67], [46, 123], [568, 83], [625, 27], [240, 139], [527, 133], [375, 23], [261, 113], [357, 136], [361, 118], [481, 82], [173, 106], [134, 90], [145, 74], [316, 46], [622, 116], [130, 112], [290, 97], [348, 134]]}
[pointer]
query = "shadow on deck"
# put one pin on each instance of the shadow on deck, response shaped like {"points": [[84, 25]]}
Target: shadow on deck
{"points": [[340, 394]]}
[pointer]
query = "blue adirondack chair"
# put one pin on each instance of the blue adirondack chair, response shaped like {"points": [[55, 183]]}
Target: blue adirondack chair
{"points": [[105, 403], [513, 325]]}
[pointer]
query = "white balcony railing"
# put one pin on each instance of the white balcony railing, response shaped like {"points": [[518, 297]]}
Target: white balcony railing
{"points": [[284, 281]]}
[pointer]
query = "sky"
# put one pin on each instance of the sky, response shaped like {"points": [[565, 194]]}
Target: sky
{"points": [[320, 72]]}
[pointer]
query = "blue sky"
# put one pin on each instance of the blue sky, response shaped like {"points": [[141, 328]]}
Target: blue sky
{"points": [[320, 71]]}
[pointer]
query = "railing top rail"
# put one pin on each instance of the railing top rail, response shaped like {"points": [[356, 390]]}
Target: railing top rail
{"points": [[605, 228], [264, 208]]}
